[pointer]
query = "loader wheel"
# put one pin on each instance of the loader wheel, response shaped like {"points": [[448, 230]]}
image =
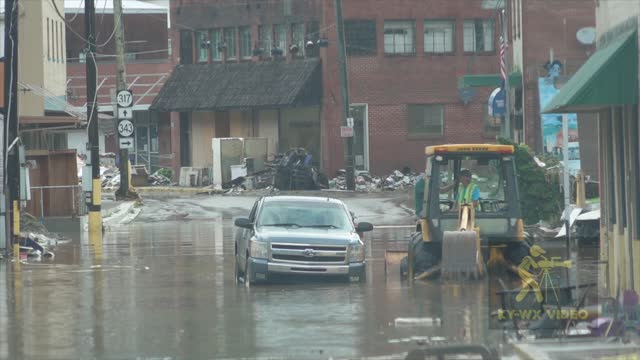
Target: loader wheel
{"points": [[425, 254], [516, 252]]}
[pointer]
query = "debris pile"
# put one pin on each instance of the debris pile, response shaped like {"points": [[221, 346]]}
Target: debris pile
{"points": [[397, 180], [158, 179], [110, 177], [294, 170], [36, 242]]}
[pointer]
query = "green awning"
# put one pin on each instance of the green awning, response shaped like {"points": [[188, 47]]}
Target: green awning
{"points": [[609, 77], [488, 80]]}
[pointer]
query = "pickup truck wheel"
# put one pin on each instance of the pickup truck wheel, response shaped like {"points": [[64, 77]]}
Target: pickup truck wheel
{"points": [[237, 271], [247, 272]]}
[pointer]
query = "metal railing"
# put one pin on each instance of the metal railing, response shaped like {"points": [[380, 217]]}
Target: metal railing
{"points": [[78, 206]]}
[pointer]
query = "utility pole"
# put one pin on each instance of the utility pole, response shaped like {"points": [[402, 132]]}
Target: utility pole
{"points": [[344, 86], [565, 175], [121, 85], [10, 170], [507, 88], [95, 215]]}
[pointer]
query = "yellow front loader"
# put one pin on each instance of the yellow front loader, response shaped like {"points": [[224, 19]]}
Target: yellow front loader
{"points": [[453, 239]]}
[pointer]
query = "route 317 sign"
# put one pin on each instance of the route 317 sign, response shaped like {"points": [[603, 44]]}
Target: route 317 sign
{"points": [[124, 98], [125, 128]]}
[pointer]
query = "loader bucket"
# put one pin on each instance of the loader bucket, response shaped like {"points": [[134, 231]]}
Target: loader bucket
{"points": [[392, 260], [461, 256]]}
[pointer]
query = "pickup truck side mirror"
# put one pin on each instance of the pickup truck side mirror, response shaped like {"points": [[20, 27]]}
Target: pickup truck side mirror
{"points": [[243, 223], [364, 227]]}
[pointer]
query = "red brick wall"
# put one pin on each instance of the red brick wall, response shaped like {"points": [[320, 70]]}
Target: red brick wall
{"points": [[389, 83], [147, 73], [149, 31], [551, 25]]}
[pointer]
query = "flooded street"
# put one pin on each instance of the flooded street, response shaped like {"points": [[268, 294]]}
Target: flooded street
{"points": [[159, 288]]}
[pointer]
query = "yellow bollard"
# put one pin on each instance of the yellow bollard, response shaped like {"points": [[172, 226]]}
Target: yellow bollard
{"points": [[95, 217], [16, 217]]}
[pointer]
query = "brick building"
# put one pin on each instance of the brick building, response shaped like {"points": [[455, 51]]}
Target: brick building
{"points": [[407, 62], [542, 30]]}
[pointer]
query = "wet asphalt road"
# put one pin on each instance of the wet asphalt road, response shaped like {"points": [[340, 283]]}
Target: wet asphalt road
{"points": [[163, 288]]}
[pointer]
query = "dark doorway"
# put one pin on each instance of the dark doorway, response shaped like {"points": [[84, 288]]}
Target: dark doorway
{"points": [[185, 136], [223, 126]]}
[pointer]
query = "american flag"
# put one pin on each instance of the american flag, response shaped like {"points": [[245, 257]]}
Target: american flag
{"points": [[503, 51]]}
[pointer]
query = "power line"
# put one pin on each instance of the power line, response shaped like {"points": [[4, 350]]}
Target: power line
{"points": [[66, 22], [77, 11]]}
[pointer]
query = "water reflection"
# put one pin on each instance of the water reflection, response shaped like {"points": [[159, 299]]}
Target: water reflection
{"points": [[167, 290]]}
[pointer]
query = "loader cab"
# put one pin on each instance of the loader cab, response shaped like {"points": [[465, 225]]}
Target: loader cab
{"points": [[493, 172]]}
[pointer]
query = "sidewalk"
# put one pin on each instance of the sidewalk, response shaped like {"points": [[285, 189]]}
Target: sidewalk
{"points": [[553, 349], [116, 213]]}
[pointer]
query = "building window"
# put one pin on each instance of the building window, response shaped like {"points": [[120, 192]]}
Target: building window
{"points": [[313, 34], [280, 38], [55, 41], [438, 36], [44, 140], [216, 40], [245, 42], [62, 43], [360, 37], [48, 40], [399, 37], [186, 47], [202, 42], [297, 37], [265, 39], [426, 120], [479, 35], [230, 41]]}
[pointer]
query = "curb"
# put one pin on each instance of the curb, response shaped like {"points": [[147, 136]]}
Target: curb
{"points": [[170, 190]]}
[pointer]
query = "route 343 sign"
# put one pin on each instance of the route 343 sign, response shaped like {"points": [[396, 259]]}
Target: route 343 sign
{"points": [[125, 128]]}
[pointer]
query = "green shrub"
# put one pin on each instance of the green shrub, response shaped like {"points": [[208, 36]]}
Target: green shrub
{"points": [[166, 172], [540, 194]]}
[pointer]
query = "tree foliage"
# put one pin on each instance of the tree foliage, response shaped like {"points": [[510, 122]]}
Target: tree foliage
{"points": [[540, 195]]}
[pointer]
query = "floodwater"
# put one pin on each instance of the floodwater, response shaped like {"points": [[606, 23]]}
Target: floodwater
{"points": [[166, 290]]}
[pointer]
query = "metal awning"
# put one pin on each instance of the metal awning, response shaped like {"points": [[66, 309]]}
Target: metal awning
{"points": [[210, 87], [609, 77]]}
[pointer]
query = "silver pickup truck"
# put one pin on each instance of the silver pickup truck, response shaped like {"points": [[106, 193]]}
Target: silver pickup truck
{"points": [[292, 235]]}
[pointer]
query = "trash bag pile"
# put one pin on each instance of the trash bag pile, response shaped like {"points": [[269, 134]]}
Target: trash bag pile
{"points": [[367, 183], [110, 177], [157, 179], [294, 170]]}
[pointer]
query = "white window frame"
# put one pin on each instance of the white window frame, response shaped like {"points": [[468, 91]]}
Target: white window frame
{"points": [[297, 37], [245, 40], [201, 37], [231, 55], [365, 128], [216, 40], [411, 133], [265, 38], [399, 37], [469, 35], [439, 36], [280, 37]]}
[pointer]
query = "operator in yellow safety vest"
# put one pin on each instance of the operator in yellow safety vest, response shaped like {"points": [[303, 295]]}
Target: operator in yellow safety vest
{"points": [[468, 191]]}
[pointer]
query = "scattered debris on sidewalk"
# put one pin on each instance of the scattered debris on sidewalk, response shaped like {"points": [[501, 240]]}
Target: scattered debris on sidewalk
{"points": [[294, 170], [366, 182], [36, 242], [159, 179]]}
